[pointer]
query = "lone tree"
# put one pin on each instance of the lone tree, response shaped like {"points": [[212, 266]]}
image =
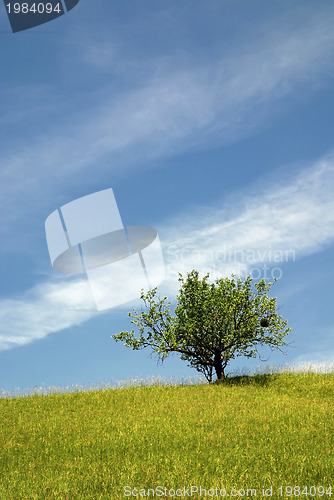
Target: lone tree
{"points": [[213, 323]]}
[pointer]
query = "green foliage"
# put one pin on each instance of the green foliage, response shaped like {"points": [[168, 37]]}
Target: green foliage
{"points": [[213, 323]]}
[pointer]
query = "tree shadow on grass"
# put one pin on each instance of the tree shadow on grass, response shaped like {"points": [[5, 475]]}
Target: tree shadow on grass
{"points": [[262, 380]]}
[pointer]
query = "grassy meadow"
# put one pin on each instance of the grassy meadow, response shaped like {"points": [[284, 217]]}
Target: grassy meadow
{"points": [[269, 430]]}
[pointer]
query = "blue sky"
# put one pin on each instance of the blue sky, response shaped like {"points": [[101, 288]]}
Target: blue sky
{"points": [[213, 123]]}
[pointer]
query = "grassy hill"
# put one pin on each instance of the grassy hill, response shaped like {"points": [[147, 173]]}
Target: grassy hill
{"points": [[249, 433]]}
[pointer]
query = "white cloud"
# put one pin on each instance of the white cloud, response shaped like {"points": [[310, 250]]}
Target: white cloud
{"points": [[46, 308], [295, 215], [278, 223], [173, 110], [320, 359]]}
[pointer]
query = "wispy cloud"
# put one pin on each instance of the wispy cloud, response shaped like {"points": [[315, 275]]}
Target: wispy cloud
{"points": [[324, 355], [295, 215], [170, 111], [46, 308], [273, 224]]}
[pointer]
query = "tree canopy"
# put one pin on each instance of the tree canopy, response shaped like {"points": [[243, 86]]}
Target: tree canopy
{"points": [[213, 322]]}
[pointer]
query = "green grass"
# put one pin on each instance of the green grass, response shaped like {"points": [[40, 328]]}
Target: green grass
{"points": [[269, 429]]}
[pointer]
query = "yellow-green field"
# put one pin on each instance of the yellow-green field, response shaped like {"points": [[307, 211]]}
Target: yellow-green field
{"points": [[249, 433]]}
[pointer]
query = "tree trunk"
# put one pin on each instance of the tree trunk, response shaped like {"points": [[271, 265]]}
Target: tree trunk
{"points": [[219, 366]]}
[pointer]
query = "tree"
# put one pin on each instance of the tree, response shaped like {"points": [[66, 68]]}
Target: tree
{"points": [[213, 323]]}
